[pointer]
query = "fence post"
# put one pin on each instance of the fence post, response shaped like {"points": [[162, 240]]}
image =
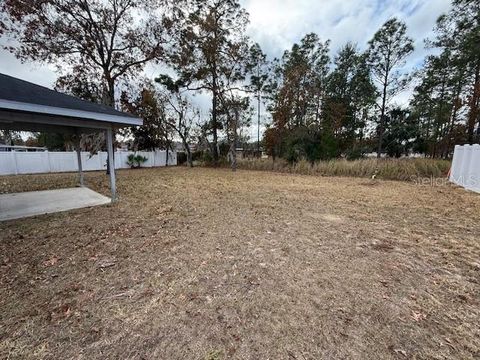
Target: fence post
{"points": [[15, 161], [48, 162]]}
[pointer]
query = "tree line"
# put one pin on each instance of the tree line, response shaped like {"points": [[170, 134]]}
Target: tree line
{"points": [[320, 107]]}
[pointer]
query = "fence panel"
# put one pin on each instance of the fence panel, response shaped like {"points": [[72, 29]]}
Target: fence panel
{"points": [[62, 161], [172, 158], [32, 162], [150, 155], [159, 158], [12, 163], [121, 158], [90, 162], [465, 169], [475, 169], [7, 161]]}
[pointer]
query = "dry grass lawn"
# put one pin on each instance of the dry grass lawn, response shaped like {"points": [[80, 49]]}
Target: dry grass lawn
{"points": [[207, 264]]}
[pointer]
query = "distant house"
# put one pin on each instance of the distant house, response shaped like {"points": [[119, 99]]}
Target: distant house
{"points": [[240, 152], [178, 147], [22, 148]]}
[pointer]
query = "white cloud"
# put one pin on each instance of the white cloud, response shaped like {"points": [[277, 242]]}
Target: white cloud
{"points": [[277, 24], [34, 72]]}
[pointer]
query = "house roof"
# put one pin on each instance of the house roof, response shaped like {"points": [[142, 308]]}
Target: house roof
{"points": [[23, 96]]}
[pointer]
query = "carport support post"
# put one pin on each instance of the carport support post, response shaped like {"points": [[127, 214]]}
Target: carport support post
{"points": [[79, 159], [111, 163]]}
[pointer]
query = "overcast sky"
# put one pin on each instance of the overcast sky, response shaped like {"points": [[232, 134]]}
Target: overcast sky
{"points": [[277, 24]]}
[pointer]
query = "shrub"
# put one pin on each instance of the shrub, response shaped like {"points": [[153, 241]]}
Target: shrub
{"points": [[206, 157], [197, 155], [136, 161]]}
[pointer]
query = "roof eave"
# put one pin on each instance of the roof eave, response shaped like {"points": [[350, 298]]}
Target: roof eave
{"points": [[51, 110]]}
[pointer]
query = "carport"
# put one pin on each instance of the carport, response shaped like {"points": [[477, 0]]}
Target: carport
{"points": [[25, 106]]}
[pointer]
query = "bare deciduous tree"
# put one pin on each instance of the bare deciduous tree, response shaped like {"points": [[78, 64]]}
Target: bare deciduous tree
{"points": [[183, 116], [112, 38]]}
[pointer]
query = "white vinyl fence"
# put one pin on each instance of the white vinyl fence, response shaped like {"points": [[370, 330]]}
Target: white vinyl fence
{"points": [[466, 167], [13, 163]]}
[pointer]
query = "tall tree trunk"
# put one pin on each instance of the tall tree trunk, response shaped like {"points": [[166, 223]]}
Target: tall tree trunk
{"points": [[186, 147], [474, 104], [438, 123], [167, 155], [258, 113], [453, 117], [233, 147], [317, 110], [189, 153], [258, 124], [215, 94], [8, 135], [214, 127], [381, 128], [109, 100]]}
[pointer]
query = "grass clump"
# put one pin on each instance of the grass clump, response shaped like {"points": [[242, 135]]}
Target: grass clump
{"points": [[214, 355], [388, 169]]}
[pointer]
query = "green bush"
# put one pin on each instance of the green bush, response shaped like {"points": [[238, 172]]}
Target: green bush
{"points": [[206, 158], [197, 155], [136, 161]]}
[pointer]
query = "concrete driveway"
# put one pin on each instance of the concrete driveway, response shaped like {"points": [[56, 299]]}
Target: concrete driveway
{"points": [[21, 205]]}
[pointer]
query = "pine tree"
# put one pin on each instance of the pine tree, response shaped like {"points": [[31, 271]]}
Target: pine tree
{"points": [[387, 52], [259, 71], [350, 98], [459, 32]]}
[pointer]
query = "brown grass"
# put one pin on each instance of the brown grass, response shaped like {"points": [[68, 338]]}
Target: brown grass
{"points": [[387, 169], [207, 264]]}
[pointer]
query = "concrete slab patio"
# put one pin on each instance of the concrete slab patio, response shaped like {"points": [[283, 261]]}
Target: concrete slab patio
{"points": [[21, 205]]}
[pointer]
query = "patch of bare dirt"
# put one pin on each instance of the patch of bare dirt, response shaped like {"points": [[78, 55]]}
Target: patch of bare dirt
{"points": [[207, 264]]}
